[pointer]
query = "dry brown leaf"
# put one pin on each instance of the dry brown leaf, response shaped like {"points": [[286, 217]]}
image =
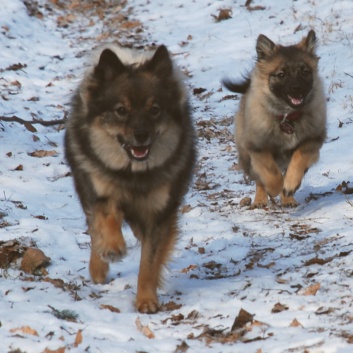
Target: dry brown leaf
{"points": [[10, 251], [344, 187], [193, 315], [16, 84], [318, 261], [323, 310], [295, 323], [255, 8], [43, 153], [311, 290], [210, 336], [278, 307], [16, 67], [212, 265], [170, 306], [64, 21], [268, 266], [78, 339], [175, 319], [144, 329], [26, 330], [33, 259], [33, 99], [19, 168], [246, 201], [242, 319], [201, 250], [189, 268], [131, 24], [224, 14], [186, 209], [113, 309], [256, 323], [57, 282], [182, 348], [59, 350], [103, 36], [199, 90]]}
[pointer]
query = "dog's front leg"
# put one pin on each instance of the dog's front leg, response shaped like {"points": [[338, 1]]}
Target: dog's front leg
{"points": [[302, 159], [156, 248], [266, 172], [108, 244]]}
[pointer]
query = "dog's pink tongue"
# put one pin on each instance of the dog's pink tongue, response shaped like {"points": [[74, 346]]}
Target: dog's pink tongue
{"points": [[296, 101], [139, 152]]}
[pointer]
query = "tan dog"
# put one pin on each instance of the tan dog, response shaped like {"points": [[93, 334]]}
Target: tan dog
{"points": [[281, 122]]}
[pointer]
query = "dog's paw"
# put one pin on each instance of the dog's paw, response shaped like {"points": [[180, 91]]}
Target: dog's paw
{"points": [[109, 246], [113, 254], [289, 189], [261, 199], [292, 182], [98, 268], [105, 230], [258, 204], [288, 201], [101, 254], [147, 305]]}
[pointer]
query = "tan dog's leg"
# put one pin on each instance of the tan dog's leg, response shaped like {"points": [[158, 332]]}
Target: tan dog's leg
{"points": [[108, 244], [155, 252], [261, 198], [267, 172], [302, 159]]}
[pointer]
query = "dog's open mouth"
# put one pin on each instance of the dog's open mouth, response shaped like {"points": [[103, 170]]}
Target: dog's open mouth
{"points": [[139, 153], [296, 101]]}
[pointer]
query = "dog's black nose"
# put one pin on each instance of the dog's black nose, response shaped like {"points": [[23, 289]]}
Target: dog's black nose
{"points": [[141, 135], [296, 90]]}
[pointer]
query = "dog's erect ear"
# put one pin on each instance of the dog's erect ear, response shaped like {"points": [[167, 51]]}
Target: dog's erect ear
{"points": [[161, 64], [309, 42], [264, 47], [109, 66]]}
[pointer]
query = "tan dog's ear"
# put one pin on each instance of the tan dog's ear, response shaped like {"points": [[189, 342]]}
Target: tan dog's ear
{"points": [[309, 42], [264, 47]]}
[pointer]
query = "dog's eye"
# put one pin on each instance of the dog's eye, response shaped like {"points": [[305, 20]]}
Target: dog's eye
{"points": [[121, 111], [281, 74], [155, 110], [306, 72]]}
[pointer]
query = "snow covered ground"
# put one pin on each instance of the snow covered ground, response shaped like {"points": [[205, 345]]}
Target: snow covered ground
{"points": [[287, 272]]}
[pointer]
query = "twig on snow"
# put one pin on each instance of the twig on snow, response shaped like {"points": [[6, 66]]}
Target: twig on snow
{"points": [[349, 201], [16, 119]]}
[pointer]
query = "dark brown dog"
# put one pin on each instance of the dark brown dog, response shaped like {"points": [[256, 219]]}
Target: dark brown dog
{"points": [[131, 148]]}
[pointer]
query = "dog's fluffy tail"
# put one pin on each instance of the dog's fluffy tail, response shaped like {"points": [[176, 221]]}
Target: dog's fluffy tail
{"points": [[236, 86]]}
